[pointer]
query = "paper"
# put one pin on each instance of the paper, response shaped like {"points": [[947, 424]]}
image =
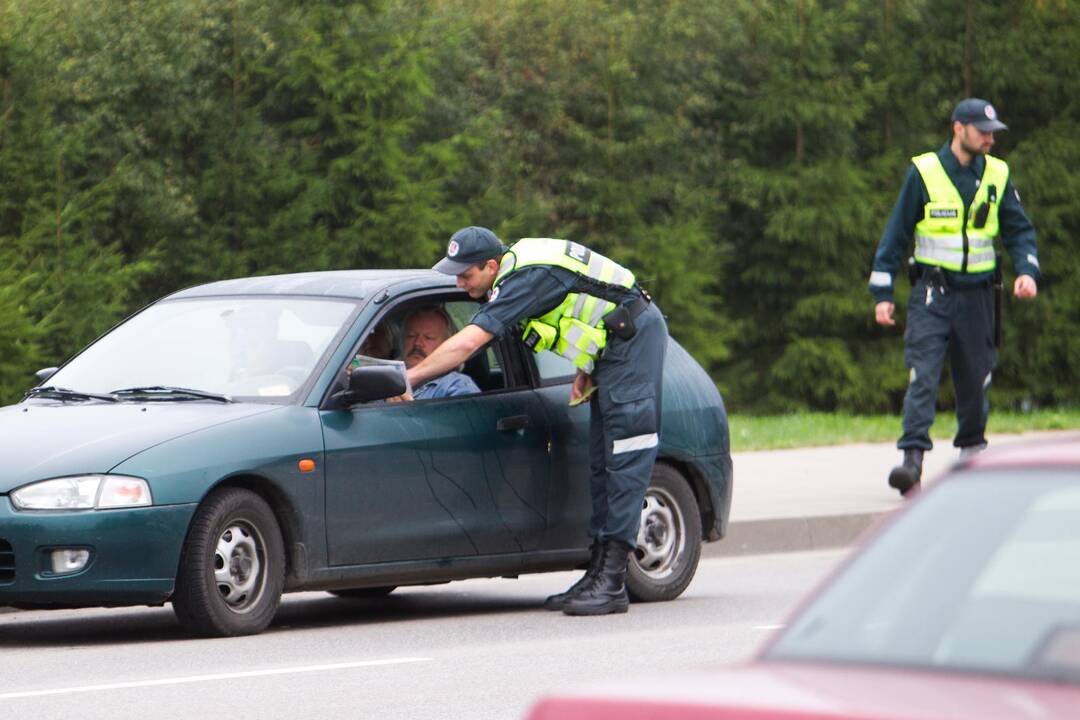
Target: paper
{"points": [[584, 396]]}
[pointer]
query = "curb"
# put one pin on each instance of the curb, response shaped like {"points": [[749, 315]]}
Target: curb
{"points": [[795, 534]]}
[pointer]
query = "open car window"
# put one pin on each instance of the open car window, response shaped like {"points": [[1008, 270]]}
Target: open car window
{"points": [[389, 339], [486, 368]]}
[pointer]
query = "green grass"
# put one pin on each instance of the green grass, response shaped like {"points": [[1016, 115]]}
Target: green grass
{"points": [[749, 432]]}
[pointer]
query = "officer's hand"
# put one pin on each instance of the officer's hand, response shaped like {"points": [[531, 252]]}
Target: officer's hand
{"points": [[883, 313], [582, 387], [1025, 287]]}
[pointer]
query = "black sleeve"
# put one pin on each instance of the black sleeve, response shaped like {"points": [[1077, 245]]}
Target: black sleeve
{"points": [[526, 293], [896, 240], [1017, 233]]}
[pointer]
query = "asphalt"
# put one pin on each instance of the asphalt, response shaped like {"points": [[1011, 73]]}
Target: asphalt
{"points": [[820, 497]]}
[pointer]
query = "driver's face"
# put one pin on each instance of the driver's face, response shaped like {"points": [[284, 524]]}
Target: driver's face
{"points": [[423, 334]]}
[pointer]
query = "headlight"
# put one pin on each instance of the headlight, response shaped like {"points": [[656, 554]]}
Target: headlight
{"points": [[83, 492]]}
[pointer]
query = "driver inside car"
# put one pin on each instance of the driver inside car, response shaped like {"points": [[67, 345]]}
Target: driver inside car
{"points": [[426, 329]]}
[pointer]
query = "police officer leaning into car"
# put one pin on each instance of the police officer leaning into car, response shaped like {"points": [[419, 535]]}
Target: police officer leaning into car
{"points": [[954, 203], [590, 310]]}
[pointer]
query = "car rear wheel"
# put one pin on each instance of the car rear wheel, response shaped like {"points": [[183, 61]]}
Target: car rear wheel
{"points": [[669, 539], [232, 568], [371, 592]]}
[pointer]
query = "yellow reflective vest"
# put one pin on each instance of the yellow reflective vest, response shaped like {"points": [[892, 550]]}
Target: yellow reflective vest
{"points": [[575, 328], [947, 236]]}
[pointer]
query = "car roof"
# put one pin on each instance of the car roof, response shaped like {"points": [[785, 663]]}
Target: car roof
{"points": [[1058, 451], [355, 284]]}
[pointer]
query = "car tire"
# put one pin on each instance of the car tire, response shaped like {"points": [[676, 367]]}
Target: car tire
{"points": [[232, 567], [669, 539], [371, 592]]}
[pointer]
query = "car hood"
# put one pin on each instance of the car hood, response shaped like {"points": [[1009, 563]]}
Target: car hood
{"points": [[779, 691], [44, 440]]}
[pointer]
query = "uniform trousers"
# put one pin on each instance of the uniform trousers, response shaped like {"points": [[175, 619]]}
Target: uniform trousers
{"points": [[958, 321], [624, 428]]}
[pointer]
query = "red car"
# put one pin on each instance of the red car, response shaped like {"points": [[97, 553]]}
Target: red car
{"points": [[965, 604]]}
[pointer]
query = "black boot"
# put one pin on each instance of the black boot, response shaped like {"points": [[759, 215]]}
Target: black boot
{"points": [[907, 476], [556, 602], [607, 592]]}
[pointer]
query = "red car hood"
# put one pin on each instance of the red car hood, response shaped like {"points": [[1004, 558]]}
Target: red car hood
{"points": [[777, 691]]}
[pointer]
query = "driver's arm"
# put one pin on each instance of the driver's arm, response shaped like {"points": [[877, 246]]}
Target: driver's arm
{"points": [[457, 349]]}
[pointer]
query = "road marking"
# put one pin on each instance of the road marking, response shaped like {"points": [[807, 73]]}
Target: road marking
{"points": [[209, 678], [757, 627]]}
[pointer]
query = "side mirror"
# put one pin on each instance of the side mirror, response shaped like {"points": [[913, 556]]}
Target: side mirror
{"points": [[373, 382], [44, 374]]}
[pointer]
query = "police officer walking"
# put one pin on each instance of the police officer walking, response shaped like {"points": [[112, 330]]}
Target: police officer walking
{"points": [[590, 310], [954, 203]]}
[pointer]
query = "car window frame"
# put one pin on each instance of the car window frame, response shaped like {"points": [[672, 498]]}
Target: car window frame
{"points": [[520, 377]]}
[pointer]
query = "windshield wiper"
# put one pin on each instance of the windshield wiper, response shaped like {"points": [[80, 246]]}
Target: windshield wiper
{"points": [[59, 393], [165, 392]]}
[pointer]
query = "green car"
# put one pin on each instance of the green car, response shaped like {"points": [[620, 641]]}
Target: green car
{"points": [[245, 438]]}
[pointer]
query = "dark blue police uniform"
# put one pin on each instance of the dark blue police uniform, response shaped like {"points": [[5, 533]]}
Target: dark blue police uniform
{"points": [[949, 310], [625, 411]]}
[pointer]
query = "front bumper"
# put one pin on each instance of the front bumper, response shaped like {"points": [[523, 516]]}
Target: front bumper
{"points": [[134, 554]]}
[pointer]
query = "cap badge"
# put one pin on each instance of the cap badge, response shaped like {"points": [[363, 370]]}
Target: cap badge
{"points": [[990, 113], [452, 249]]}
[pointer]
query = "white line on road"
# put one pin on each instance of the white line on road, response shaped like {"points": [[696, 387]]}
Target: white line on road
{"points": [[209, 678], [768, 627]]}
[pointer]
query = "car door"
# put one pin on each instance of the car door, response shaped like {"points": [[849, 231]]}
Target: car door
{"points": [[451, 477], [569, 502]]}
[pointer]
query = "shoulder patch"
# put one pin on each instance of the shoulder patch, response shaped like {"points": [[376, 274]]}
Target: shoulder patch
{"points": [[494, 293], [576, 251]]}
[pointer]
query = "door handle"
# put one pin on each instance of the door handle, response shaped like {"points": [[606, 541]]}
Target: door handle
{"points": [[514, 422]]}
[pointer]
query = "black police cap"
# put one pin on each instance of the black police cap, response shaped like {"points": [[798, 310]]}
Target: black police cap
{"points": [[980, 113], [470, 246]]}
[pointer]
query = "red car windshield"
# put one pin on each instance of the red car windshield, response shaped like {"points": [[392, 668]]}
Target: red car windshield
{"points": [[982, 574]]}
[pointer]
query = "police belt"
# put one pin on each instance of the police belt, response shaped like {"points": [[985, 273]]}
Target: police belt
{"points": [[939, 278]]}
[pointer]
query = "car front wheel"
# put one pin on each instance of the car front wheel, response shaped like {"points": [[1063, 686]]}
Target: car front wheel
{"points": [[232, 568], [669, 539]]}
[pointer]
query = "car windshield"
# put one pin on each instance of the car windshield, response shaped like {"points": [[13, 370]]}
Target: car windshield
{"points": [[237, 346], [982, 574]]}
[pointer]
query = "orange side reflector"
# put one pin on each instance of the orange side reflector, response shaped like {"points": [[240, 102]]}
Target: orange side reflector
{"points": [[306, 465]]}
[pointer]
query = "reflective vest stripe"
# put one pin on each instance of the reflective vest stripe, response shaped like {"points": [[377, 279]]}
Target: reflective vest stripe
{"points": [[939, 236], [579, 357], [576, 337], [575, 328], [579, 305], [597, 266], [598, 313]]}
